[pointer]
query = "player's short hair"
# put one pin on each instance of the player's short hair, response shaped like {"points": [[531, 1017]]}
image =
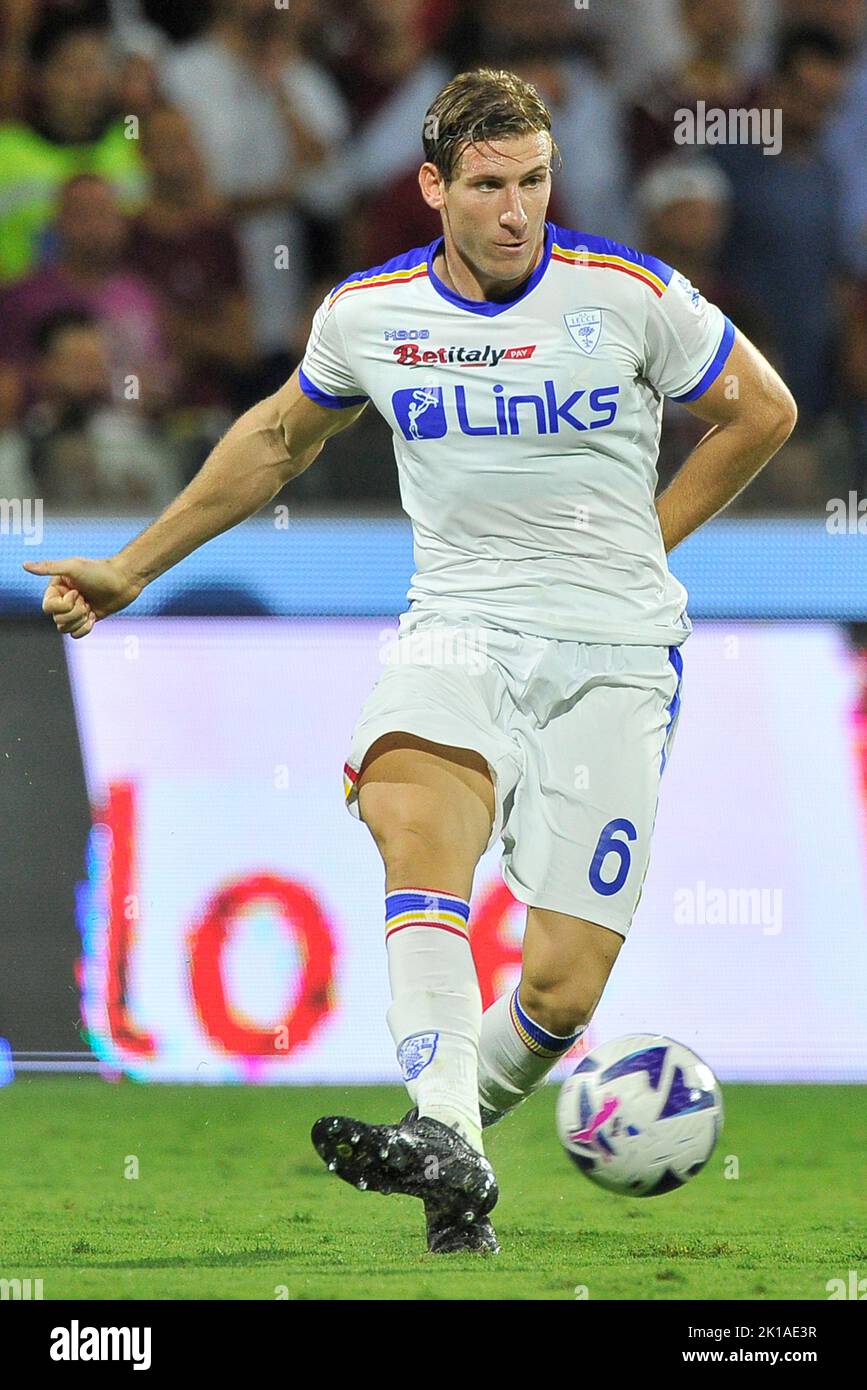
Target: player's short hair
{"points": [[478, 106]]}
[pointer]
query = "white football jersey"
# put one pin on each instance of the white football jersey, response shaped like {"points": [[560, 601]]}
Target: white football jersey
{"points": [[526, 433]]}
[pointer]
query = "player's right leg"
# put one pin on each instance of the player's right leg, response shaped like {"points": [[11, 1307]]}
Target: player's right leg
{"points": [[430, 809]]}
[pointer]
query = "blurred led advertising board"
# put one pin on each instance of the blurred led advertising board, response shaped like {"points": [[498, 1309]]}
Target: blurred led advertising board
{"points": [[295, 565], [231, 911]]}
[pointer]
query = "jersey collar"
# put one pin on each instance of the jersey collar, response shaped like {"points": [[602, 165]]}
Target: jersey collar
{"points": [[489, 307]]}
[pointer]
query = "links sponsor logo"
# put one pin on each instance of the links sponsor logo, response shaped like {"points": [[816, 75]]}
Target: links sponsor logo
{"points": [[410, 355], [429, 412]]}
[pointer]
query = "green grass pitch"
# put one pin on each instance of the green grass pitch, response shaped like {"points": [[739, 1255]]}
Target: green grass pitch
{"points": [[231, 1202]]}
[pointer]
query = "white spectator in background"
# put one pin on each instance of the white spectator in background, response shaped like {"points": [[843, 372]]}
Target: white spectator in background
{"points": [[389, 143], [133, 31], [679, 179], [251, 153], [16, 479], [592, 182]]}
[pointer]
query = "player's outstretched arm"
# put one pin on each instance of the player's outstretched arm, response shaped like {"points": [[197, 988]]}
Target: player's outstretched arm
{"points": [[266, 447], [753, 413]]}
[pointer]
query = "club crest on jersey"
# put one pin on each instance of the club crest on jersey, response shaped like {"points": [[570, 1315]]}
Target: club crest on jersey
{"points": [[585, 327], [415, 1053]]}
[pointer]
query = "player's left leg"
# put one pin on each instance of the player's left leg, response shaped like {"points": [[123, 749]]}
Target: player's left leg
{"points": [[566, 963], [577, 847]]}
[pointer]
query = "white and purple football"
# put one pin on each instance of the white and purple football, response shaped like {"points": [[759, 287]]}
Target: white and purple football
{"points": [[640, 1115]]}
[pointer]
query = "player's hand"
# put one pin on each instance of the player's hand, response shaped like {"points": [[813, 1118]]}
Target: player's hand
{"points": [[83, 591]]}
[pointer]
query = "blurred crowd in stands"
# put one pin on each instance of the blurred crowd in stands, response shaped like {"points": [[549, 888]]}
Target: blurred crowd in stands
{"points": [[182, 181]]}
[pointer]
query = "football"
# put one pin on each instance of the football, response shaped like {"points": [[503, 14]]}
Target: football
{"points": [[640, 1115]]}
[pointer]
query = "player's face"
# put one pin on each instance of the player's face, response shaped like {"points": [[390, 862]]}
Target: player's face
{"points": [[494, 208]]}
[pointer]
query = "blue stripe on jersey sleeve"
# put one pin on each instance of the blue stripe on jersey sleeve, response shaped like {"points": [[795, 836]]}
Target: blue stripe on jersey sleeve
{"points": [[713, 368], [602, 246], [323, 398]]}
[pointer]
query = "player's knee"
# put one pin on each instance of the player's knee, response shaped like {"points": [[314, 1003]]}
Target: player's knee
{"points": [[412, 824]]}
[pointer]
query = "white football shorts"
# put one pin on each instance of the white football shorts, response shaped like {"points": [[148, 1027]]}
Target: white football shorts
{"points": [[575, 734]]}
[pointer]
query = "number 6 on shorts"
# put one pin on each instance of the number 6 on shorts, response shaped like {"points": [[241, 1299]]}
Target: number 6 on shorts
{"points": [[606, 845]]}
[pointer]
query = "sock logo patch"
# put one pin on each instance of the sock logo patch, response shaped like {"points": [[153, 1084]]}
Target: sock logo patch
{"points": [[415, 1053]]}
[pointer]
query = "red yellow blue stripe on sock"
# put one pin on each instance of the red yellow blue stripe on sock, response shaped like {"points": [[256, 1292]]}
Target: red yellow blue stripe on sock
{"points": [[536, 1039], [425, 907]]}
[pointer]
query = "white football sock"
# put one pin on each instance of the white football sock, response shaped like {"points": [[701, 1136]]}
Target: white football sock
{"points": [[515, 1054], [436, 1015]]}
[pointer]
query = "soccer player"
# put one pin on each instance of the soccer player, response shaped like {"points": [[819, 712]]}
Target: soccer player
{"points": [[536, 682]]}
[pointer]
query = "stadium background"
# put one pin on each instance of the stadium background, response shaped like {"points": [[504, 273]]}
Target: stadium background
{"points": [[183, 895]]}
